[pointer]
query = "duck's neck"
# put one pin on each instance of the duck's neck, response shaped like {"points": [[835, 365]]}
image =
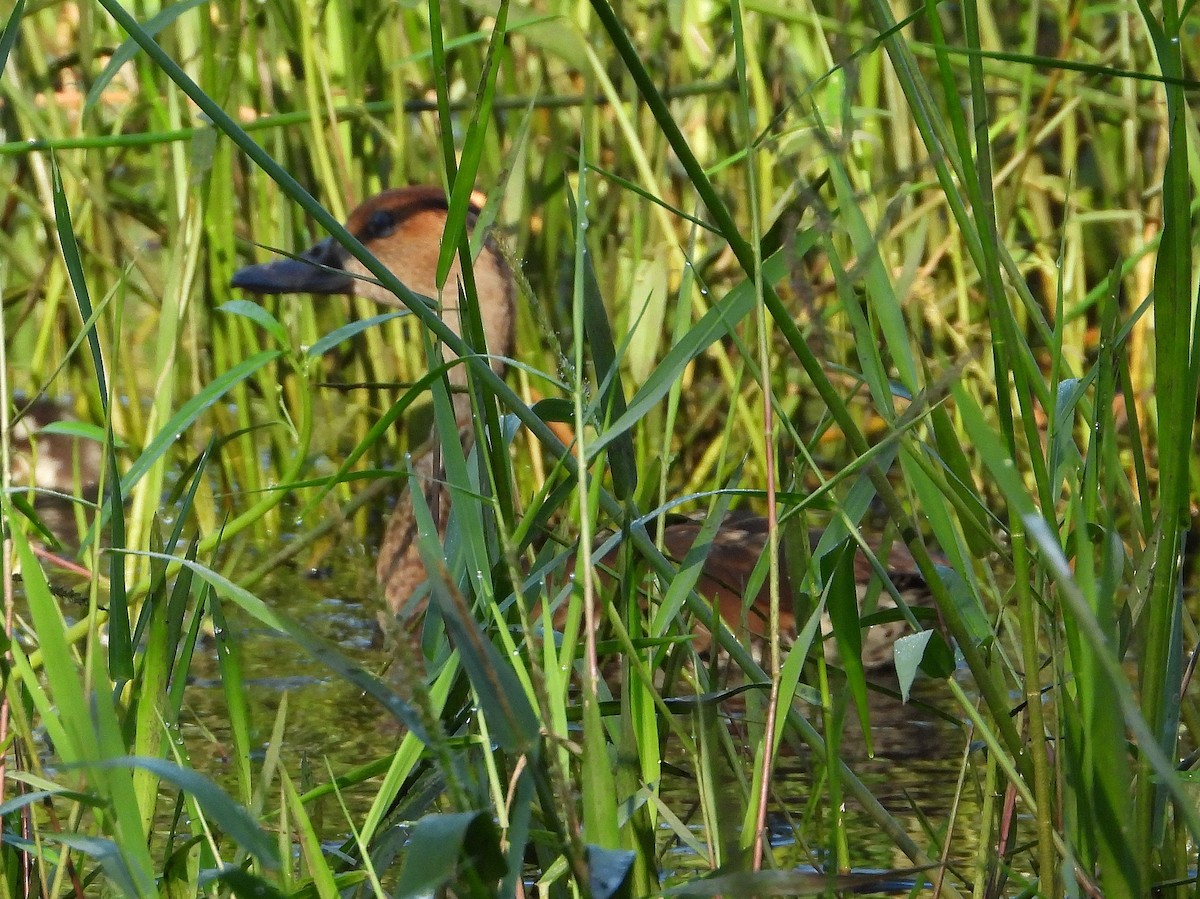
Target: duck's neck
{"points": [[399, 566]]}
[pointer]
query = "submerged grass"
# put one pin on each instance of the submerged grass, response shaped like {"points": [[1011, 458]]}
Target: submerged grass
{"points": [[965, 238]]}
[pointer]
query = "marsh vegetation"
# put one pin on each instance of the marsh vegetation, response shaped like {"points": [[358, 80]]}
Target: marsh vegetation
{"points": [[925, 274]]}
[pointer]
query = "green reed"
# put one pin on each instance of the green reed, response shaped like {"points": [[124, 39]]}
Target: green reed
{"points": [[950, 255]]}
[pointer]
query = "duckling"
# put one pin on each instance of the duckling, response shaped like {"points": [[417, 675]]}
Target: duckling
{"points": [[403, 229]]}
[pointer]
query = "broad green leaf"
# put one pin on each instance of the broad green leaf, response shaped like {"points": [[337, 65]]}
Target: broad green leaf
{"points": [[258, 314], [441, 844]]}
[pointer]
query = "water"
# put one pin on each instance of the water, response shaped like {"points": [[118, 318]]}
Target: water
{"points": [[332, 729]]}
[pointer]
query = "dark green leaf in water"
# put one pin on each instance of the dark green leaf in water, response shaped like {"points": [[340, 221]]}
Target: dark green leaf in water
{"points": [[953, 457], [837, 569], [610, 872], [120, 641], [967, 604], [442, 846], [555, 409], [245, 885], [842, 604]]}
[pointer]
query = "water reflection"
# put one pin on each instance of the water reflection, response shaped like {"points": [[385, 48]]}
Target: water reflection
{"points": [[331, 728], [914, 772]]}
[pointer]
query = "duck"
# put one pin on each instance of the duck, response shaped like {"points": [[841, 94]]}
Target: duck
{"points": [[402, 228]]}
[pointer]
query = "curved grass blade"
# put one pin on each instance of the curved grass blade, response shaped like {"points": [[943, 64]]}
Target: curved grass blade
{"points": [[720, 320], [622, 461], [74, 266], [129, 48], [352, 329], [190, 411], [463, 177], [258, 314], [232, 818], [501, 696], [8, 38]]}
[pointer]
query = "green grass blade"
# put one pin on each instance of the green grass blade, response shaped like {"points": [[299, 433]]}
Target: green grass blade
{"points": [[232, 818], [124, 53], [8, 38]]}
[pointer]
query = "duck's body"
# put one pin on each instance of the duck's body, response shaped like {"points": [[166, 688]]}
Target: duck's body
{"points": [[403, 229]]}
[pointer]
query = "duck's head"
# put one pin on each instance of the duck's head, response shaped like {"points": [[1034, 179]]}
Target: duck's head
{"points": [[403, 229]]}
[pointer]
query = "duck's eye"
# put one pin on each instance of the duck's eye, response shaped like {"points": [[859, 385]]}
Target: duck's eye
{"points": [[380, 224]]}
